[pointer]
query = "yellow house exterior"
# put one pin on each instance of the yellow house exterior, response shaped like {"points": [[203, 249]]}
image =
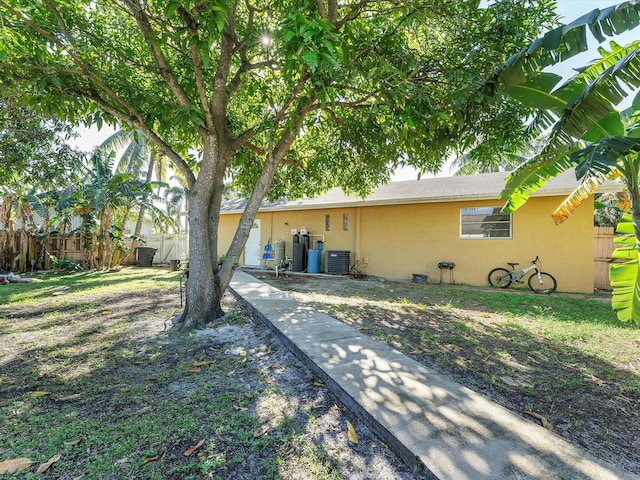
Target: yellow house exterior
{"points": [[406, 228]]}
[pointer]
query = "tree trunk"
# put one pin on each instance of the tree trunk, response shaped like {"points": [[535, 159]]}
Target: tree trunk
{"points": [[207, 282], [202, 287]]}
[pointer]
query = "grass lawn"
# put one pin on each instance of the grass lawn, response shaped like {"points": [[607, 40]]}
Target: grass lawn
{"points": [[566, 359], [91, 381]]}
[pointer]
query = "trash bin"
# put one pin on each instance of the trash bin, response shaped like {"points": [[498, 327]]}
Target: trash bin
{"points": [[144, 256], [174, 265]]}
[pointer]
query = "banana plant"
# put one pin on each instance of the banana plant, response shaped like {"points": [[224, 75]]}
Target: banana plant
{"points": [[582, 126], [625, 278], [104, 192]]}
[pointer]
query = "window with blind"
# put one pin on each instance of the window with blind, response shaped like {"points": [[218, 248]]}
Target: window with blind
{"points": [[484, 222]]}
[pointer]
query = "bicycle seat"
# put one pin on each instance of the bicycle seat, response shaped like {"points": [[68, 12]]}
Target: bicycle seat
{"points": [[513, 264]]}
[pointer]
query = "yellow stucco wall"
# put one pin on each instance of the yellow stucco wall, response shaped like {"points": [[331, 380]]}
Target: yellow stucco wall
{"points": [[397, 241], [278, 225]]}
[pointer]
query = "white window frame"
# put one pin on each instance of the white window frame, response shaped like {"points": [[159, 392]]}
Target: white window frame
{"points": [[482, 213]]}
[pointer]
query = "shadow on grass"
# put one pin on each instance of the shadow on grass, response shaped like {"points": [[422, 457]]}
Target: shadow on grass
{"points": [[501, 345], [121, 399]]}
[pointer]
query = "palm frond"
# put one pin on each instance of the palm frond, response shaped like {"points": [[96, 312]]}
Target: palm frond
{"points": [[575, 198], [567, 41], [531, 176], [590, 116]]}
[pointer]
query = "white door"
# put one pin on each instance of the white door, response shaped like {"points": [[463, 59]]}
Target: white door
{"points": [[252, 253]]}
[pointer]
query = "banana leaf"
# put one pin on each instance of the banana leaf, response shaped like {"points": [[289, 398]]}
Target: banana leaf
{"points": [[624, 277]]}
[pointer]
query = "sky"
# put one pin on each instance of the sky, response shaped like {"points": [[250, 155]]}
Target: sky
{"points": [[568, 9]]}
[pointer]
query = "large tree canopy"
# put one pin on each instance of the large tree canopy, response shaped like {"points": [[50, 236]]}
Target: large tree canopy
{"points": [[281, 98], [33, 151]]}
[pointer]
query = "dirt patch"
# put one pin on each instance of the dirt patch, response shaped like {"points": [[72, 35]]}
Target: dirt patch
{"points": [[125, 398], [580, 378]]}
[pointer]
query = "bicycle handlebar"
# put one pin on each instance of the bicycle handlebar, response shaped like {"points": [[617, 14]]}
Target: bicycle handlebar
{"points": [[535, 260]]}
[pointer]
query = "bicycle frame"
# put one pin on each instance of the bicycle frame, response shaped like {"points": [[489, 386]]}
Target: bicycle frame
{"points": [[518, 275]]}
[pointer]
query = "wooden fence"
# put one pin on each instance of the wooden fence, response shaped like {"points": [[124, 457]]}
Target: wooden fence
{"points": [[603, 247]]}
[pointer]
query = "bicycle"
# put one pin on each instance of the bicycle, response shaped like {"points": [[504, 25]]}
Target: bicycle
{"points": [[539, 282]]}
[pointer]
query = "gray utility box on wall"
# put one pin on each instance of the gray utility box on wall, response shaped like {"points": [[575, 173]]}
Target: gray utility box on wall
{"points": [[337, 262]]}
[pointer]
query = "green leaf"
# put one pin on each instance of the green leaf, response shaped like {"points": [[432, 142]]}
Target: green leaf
{"points": [[608, 126], [311, 59], [626, 290], [566, 41], [625, 277], [288, 34]]}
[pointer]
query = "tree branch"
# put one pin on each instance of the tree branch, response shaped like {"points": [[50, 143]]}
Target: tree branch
{"points": [[218, 103], [197, 65], [139, 123], [84, 69], [321, 10], [161, 62]]}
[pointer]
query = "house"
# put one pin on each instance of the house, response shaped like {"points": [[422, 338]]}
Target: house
{"points": [[406, 228]]}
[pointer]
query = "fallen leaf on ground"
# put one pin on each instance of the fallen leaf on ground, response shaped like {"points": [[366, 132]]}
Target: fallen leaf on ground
{"points": [[204, 454], [203, 363], [190, 450], [151, 459], [318, 383], [45, 466], [13, 465], [275, 366], [240, 409], [17, 358], [351, 433], [260, 431], [637, 342], [194, 370], [106, 312], [71, 443], [545, 423], [40, 394], [67, 398], [231, 373], [596, 380]]}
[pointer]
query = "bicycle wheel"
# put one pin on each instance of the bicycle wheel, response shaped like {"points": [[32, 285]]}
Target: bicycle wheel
{"points": [[500, 277], [546, 283]]}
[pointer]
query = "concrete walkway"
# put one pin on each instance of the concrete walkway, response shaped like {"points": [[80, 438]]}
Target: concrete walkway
{"points": [[438, 427]]}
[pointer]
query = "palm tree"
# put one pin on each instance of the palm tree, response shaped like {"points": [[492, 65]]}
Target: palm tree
{"points": [[138, 159], [585, 129]]}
